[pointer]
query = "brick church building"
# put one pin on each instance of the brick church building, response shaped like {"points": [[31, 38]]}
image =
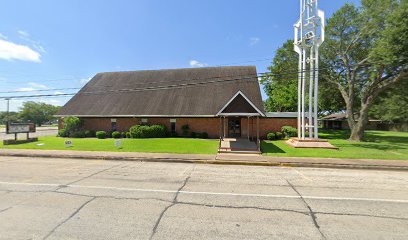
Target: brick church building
{"points": [[221, 101]]}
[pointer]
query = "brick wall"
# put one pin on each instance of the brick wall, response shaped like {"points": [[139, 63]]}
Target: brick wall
{"points": [[208, 125]]}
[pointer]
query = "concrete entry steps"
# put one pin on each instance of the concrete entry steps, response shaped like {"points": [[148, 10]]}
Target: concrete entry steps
{"points": [[310, 143], [238, 145]]}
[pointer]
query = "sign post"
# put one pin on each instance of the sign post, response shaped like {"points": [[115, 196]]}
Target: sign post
{"points": [[15, 128], [118, 143]]}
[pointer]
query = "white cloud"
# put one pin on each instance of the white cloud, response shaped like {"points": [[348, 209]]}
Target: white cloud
{"points": [[253, 41], [27, 37], [37, 85], [54, 102], [26, 89], [32, 87], [58, 92], [84, 81], [12, 51], [195, 63], [23, 34]]}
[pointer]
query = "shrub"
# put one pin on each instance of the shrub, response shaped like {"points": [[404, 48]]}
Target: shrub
{"points": [[185, 128], [193, 134], [116, 134], [123, 134], [204, 135], [90, 133], [72, 124], [128, 135], [144, 131], [289, 131], [278, 135], [173, 134], [62, 133], [271, 136], [101, 134], [108, 134], [77, 134]]}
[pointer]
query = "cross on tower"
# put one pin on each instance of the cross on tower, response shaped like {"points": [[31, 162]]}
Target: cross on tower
{"points": [[309, 35]]}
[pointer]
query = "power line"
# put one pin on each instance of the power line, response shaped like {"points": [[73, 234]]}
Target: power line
{"points": [[171, 86], [162, 87], [40, 90]]}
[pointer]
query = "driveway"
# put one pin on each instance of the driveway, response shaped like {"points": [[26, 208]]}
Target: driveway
{"points": [[94, 199]]}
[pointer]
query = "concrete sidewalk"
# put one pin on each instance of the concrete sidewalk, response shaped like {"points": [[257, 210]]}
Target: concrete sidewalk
{"points": [[223, 158]]}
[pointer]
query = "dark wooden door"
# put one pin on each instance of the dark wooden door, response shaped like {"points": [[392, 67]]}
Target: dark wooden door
{"points": [[234, 127]]}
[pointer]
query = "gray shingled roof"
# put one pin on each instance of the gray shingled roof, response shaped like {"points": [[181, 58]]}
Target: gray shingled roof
{"points": [[173, 92]]}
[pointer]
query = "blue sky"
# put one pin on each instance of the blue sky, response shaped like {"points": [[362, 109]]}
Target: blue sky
{"points": [[49, 44]]}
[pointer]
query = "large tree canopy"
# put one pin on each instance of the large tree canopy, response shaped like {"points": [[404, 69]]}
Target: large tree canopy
{"points": [[365, 54], [281, 85], [39, 113]]}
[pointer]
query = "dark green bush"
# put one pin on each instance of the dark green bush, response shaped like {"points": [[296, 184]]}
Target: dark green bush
{"points": [[204, 135], [128, 135], [193, 134], [185, 128], [90, 133], [123, 134], [109, 134], [62, 133], [77, 134], [173, 134], [271, 136], [289, 131], [101, 134], [72, 124], [116, 134], [144, 131], [279, 135]]}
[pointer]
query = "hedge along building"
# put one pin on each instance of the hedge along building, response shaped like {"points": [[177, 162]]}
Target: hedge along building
{"points": [[221, 101]]}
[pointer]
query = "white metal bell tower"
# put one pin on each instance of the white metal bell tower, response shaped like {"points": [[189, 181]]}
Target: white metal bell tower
{"points": [[309, 35]]}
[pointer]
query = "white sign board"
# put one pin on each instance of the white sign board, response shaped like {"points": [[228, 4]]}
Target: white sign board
{"points": [[19, 128], [68, 143], [118, 143]]}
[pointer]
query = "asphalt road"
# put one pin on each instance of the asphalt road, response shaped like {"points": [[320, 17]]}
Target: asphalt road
{"points": [[40, 131], [95, 199]]}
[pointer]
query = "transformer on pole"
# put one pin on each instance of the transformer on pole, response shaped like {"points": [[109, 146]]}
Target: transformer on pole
{"points": [[309, 35]]}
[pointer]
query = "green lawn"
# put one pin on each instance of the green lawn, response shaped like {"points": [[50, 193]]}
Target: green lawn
{"points": [[377, 145], [156, 145]]}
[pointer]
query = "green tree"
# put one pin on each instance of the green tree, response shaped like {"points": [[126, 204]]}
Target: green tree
{"points": [[366, 52], [38, 113], [280, 86], [391, 106], [11, 116], [282, 83]]}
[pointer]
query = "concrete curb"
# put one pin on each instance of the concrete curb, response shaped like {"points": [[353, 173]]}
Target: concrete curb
{"points": [[212, 160]]}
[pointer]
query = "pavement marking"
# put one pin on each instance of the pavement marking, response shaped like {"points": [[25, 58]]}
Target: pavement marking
{"points": [[302, 175], [210, 193]]}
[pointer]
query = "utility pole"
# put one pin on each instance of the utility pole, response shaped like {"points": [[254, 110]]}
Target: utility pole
{"points": [[309, 35], [8, 111]]}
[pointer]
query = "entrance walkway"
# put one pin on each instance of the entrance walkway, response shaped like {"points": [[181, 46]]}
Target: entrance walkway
{"points": [[238, 145]]}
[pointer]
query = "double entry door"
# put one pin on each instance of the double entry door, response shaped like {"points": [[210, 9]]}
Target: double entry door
{"points": [[234, 127]]}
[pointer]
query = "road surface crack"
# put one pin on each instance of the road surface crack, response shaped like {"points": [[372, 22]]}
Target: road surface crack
{"points": [[70, 216], [174, 202], [312, 214], [86, 177], [362, 215], [243, 207]]}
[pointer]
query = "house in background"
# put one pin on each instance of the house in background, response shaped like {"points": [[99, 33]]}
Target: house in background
{"points": [[224, 102], [338, 121]]}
